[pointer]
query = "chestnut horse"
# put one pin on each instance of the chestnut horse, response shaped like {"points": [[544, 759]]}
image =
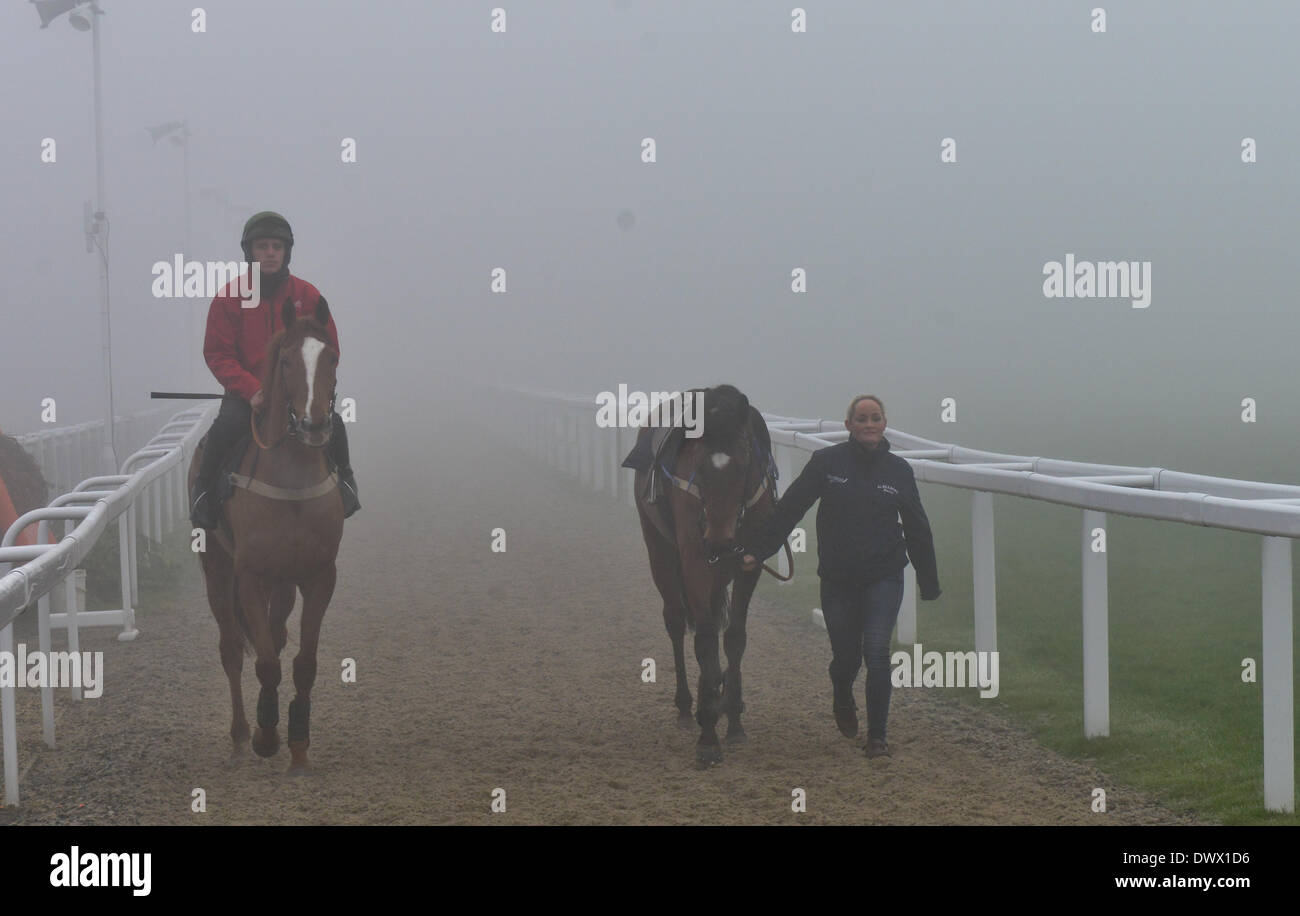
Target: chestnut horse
{"points": [[286, 520], [722, 486]]}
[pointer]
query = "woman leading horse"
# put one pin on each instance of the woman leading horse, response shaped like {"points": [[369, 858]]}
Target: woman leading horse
{"points": [[861, 554]]}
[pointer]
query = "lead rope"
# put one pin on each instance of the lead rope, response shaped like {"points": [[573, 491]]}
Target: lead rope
{"points": [[789, 559], [789, 556]]}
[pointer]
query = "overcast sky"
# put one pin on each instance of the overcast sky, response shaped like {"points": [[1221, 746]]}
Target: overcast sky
{"points": [[775, 151]]}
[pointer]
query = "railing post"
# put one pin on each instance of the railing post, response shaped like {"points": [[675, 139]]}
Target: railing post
{"points": [[133, 538], [615, 437], [125, 534], [575, 444], [8, 721], [43, 644], [985, 584], [1278, 675], [585, 449], [156, 505], [1096, 630]]}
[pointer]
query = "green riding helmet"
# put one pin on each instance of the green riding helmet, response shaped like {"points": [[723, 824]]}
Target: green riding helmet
{"points": [[267, 225]]}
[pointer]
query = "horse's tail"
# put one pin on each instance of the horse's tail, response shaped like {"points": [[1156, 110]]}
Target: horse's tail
{"points": [[245, 634]]}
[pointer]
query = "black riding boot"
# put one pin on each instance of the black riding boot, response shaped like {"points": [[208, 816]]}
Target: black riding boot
{"points": [[846, 714], [226, 428], [339, 455]]}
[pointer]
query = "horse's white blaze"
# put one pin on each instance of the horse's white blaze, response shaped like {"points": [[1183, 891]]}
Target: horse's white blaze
{"points": [[720, 460], [311, 351]]}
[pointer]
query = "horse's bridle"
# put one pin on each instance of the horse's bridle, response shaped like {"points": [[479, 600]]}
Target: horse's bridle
{"points": [[768, 476], [294, 426]]}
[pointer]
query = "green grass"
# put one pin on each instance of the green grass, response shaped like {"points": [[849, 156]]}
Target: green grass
{"points": [[1184, 612], [159, 565]]}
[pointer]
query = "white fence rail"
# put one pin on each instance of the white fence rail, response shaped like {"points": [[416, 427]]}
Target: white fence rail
{"points": [[561, 430], [69, 454], [149, 495]]}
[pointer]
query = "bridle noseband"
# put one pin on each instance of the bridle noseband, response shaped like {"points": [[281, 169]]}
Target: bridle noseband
{"points": [[295, 427], [769, 476]]}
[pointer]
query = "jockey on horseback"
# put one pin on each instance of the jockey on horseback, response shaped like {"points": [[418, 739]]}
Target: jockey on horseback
{"points": [[235, 350]]}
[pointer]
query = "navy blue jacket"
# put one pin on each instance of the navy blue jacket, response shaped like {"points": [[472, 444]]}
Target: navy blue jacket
{"points": [[859, 540]]}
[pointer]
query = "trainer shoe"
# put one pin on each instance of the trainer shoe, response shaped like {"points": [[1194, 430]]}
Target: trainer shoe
{"points": [[877, 747], [846, 720]]}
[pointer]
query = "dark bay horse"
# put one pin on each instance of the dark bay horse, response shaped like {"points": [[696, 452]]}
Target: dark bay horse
{"points": [[285, 521], [722, 486]]}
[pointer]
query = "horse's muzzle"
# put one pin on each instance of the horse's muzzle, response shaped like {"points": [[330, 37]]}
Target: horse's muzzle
{"points": [[316, 435]]}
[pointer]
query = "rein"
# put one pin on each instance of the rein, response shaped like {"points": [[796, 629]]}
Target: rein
{"points": [[789, 559], [291, 425], [291, 428]]}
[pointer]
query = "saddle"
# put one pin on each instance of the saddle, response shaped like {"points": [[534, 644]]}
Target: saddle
{"points": [[229, 470], [656, 448]]}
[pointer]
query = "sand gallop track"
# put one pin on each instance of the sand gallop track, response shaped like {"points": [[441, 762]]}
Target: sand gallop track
{"points": [[478, 670]]}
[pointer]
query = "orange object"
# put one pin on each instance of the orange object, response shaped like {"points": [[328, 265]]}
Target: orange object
{"points": [[9, 515]]}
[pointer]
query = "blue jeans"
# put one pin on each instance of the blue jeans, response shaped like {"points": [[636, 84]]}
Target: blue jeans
{"points": [[860, 621]]}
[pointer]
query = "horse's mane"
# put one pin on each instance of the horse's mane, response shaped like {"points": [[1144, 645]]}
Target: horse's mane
{"points": [[726, 415]]}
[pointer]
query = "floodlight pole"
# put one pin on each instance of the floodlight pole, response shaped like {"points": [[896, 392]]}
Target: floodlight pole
{"points": [[109, 458]]}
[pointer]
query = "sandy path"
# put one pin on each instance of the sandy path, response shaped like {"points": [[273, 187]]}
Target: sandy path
{"points": [[522, 671]]}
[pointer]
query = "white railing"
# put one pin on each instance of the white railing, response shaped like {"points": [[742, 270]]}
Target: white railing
{"points": [[149, 494], [561, 430], [68, 454]]}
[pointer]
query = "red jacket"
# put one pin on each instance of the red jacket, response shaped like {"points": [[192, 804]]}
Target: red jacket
{"points": [[235, 344]]}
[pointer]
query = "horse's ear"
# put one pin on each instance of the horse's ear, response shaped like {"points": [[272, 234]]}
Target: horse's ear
{"points": [[323, 313], [287, 313]]}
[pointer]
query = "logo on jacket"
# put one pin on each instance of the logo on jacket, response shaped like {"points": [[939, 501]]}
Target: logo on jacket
{"points": [[831, 478], [887, 488]]}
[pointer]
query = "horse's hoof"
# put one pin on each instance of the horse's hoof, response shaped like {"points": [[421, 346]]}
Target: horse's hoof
{"points": [[708, 755], [736, 735], [266, 744]]}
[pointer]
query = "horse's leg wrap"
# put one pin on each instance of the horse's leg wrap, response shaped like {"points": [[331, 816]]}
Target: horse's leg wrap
{"points": [[268, 708], [299, 715]]}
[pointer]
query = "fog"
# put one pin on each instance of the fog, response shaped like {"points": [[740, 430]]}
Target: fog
{"points": [[522, 150]]}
